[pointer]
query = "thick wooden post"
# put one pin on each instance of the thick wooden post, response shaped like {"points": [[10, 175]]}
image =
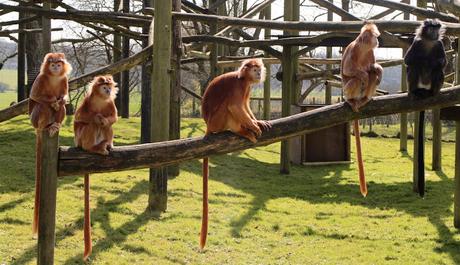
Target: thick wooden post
{"points": [[46, 30], [267, 83], [145, 86], [21, 80], [403, 116], [117, 57], [457, 177], [48, 189], [161, 86], [174, 123], [287, 90], [437, 140], [125, 74], [213, 69]]}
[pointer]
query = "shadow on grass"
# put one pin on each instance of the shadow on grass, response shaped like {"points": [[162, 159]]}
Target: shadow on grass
{"points": [[308, 184]]}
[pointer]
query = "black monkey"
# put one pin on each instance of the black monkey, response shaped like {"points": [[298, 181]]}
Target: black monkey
{"points": [[425, 60]]}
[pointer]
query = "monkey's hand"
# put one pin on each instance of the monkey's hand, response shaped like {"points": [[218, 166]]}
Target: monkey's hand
{"points": [[254, 127], [98, 119], [104, 121], [264, 125], [56, 105]]}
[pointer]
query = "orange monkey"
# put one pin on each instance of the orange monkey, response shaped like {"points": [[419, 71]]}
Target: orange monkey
{"points": [[93, 132], [47, 109], [360, 77], [225, 106]]}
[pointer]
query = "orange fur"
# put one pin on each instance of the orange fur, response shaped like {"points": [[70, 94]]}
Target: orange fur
{"points": [[93, 132], [225, 106], [359, 70], [47, 109], [360, 77]]}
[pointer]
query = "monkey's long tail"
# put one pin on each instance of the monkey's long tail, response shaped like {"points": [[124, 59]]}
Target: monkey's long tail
{"points": [[87, 222], [421, 154], [362, 178], [204, 218], [38, 166]]}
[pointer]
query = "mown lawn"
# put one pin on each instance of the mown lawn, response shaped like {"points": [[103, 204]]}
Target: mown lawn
{"points": [[258, 216]]}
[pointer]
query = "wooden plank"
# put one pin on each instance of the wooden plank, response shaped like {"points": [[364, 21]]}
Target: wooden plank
{"points": [[161, 85], [176, 87], [451, 113], [48, 190], [457, 177]]}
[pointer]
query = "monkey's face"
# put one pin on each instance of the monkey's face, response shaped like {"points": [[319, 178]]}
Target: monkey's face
{"points": [[105, 90], [431, 32], [56, 68], [256, 73]]}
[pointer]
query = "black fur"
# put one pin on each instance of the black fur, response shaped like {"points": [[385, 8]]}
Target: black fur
{"points": [[426, 59]]}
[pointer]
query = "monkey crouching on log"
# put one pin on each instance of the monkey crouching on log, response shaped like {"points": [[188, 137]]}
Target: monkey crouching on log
{"points": [[47, 101], [360, 77], [225, 106], [93, 132], [425, 60]]}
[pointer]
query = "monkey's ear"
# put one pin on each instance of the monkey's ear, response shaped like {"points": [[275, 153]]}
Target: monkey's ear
{"points": [[242, 71]]}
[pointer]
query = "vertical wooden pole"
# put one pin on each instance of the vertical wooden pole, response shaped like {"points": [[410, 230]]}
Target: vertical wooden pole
{"points": [[267, 83], [437, 140], [161, 86], [457, 177], [145, 86], [296, 93], [125, 74], [328, 92], [286, 90], [116, 58], [346, 7], [46, 30], [403, 121], [21, 80], [174, 125], [213, 71], [420, 3], [48, 190]]}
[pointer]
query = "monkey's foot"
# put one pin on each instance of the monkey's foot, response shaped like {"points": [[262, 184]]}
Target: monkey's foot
{"points": [[53, 129], [354, 104], [264, 125], [109, 147]]}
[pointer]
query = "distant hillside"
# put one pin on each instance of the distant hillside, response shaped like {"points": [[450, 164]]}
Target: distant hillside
{"points": [[7, 48]]}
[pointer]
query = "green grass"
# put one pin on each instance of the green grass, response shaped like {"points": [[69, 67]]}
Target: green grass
{"points": [[9, 77], [6, 99], [315, 215]]}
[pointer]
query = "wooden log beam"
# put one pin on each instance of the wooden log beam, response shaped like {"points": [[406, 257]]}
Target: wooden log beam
{"points": [[417, 11], [74, 161], [108, 18], [330, 40], [393, 26]]}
